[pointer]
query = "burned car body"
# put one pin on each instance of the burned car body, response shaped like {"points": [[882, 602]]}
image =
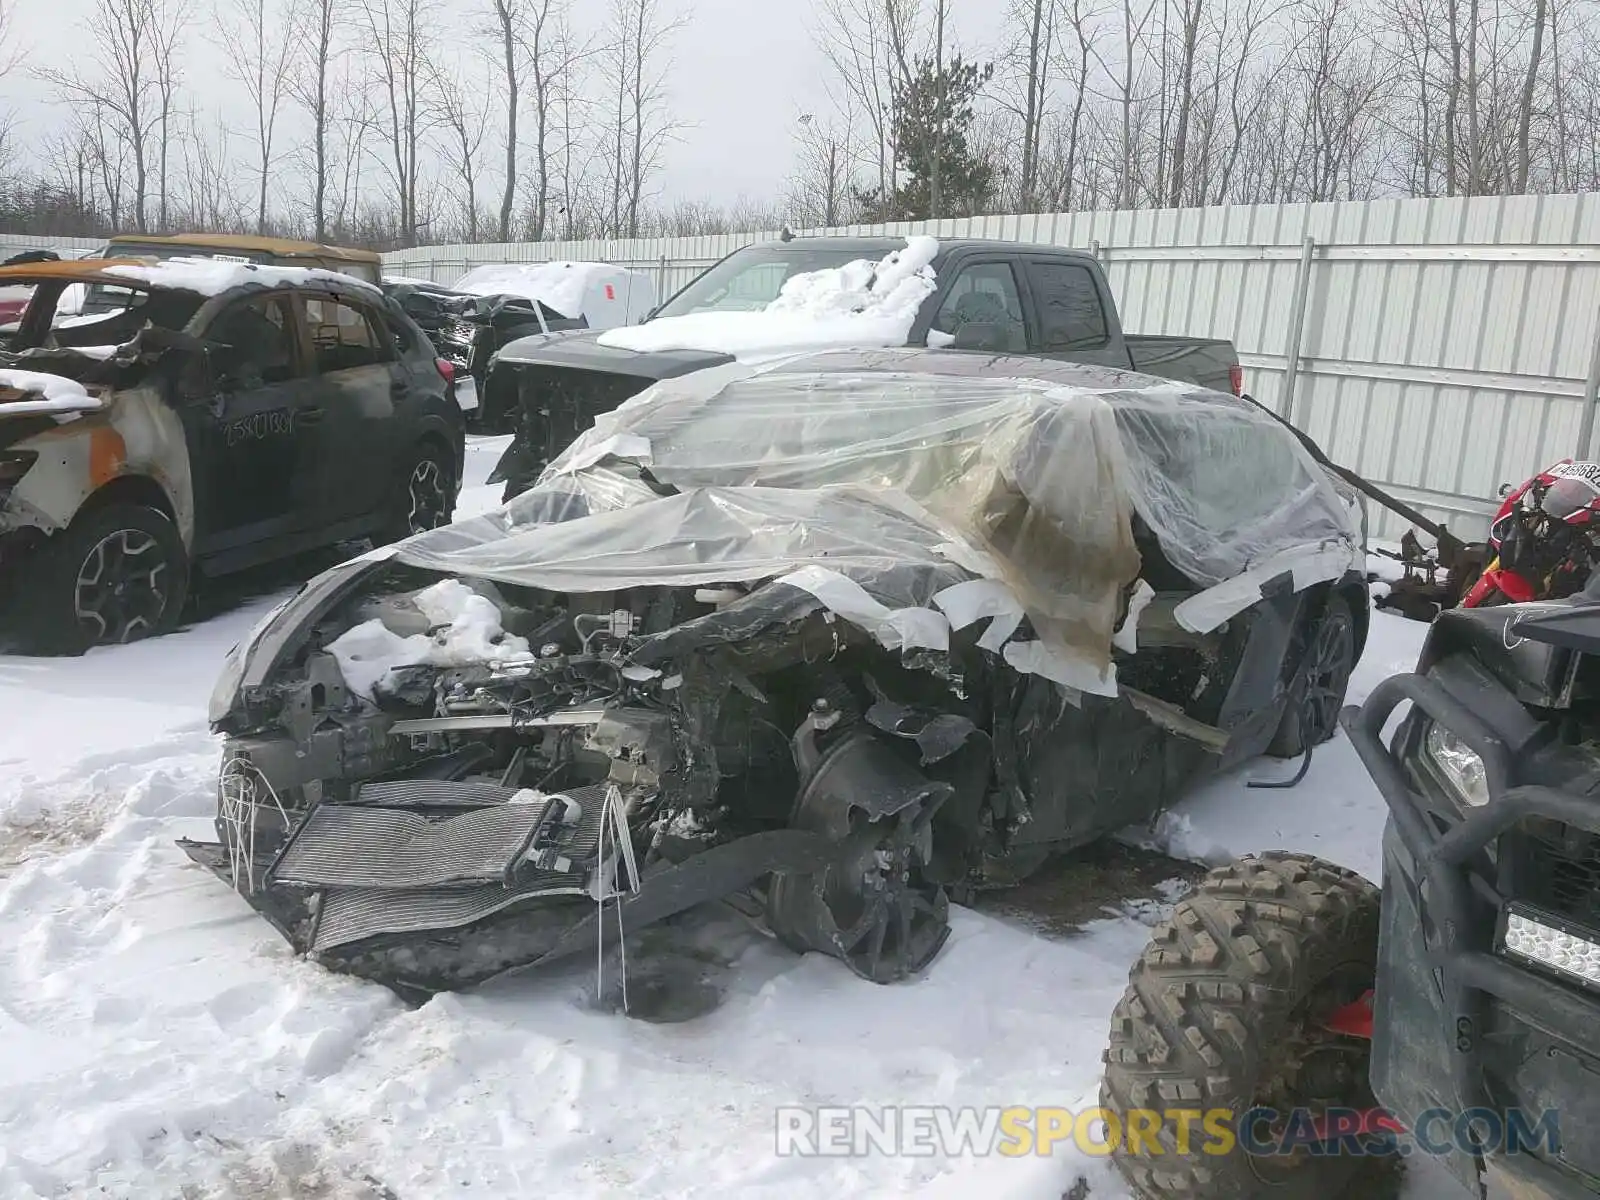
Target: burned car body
{"points": [[845, 633], [204, 423]]}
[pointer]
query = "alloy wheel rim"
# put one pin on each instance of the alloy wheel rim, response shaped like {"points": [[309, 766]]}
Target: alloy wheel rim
{"points": [[122, 587], [427, 497], [1328, 672]]}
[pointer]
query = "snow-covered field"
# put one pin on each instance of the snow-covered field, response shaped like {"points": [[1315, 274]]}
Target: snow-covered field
{"points": [[157, 1039]]}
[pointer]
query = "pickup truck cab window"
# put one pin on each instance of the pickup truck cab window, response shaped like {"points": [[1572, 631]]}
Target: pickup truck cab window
{"points": [[1071, 315], [983, 293]]}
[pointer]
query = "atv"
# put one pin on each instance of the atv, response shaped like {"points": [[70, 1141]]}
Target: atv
{"points": [[1318, 1025]]}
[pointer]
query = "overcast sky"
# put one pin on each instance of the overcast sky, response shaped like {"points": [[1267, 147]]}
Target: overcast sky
{"points": [[744, 70]]}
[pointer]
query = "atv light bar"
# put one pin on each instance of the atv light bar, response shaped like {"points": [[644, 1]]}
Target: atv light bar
{"points": [[1545, 941]]}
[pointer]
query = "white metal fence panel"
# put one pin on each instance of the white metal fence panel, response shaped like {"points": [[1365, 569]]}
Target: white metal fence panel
{"points": [[1442, 347]]}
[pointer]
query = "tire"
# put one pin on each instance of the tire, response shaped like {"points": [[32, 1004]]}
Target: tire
{"points": [[1244, 969], [1320, 682], [424, 496], [118, 574]]}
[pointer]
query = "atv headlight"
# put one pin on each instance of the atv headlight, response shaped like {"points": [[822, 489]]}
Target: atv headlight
{"points": [[1458, 764]]}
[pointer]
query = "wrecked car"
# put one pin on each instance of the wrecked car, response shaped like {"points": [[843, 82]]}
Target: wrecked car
{"points": [[223, 415], [836, 637]]}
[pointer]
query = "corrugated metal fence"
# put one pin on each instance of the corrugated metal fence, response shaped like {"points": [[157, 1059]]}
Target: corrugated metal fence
{"points": [[1443, 347], [67, 247]]}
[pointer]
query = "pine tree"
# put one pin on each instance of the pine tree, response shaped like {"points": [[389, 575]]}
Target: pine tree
{"points": [[933, 115]]}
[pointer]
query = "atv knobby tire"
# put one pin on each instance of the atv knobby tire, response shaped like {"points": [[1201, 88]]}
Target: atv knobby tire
{"points": [[1210, 1005]]}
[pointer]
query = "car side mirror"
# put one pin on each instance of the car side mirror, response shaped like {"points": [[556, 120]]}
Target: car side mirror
{"points": [[979, 335]]}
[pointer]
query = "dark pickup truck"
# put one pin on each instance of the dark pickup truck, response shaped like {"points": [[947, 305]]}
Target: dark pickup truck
{"points": [[992, 297]]}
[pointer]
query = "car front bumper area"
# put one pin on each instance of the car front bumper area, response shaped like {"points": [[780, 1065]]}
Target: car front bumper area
{"points": [[1460, 1024]]}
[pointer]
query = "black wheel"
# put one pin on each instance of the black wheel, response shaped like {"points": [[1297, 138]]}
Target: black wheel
{"points": [[872, 908], [118, 574], [1225, 1010], [425, 496], [1312, 715]]}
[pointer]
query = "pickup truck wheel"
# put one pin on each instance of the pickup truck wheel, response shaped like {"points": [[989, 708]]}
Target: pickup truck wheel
{"points": [[118, 574], [1228, 1009], [1312, 715], [424, 495]]}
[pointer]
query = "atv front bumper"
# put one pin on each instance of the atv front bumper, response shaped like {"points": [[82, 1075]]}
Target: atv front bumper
{"points": [[1460, 1025]]}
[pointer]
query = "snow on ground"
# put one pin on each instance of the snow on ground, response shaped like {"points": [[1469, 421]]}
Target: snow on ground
{"points": [[157, 1039]]}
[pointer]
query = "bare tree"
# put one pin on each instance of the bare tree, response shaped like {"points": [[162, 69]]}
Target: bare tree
{"points": [[819, 191], [127, 81], [509, 16], [636, 67], [258, 38], [400, 30], [858, 38], [464, 120], [308, 84]]}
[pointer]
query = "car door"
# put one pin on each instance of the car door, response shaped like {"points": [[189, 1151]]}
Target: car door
{"points": [[358, 384], [1071, 316], [982, 309], [247, 426]]}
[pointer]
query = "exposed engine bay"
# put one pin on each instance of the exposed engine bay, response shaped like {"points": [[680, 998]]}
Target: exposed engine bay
{"points": [[635, 688]]}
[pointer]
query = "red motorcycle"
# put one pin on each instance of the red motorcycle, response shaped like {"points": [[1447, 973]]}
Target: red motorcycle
{"points": [[1545, 538]]}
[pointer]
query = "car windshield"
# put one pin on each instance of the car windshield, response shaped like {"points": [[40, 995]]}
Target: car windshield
{"points": [[750, 279]]}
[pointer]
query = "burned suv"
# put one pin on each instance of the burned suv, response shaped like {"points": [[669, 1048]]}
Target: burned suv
{"points": [[217, 416], [837, 635]]}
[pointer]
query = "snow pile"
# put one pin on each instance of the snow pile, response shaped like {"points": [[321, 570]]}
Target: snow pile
{"points": [[859, 305], [466, 629], [212, 277], [47, 394], [557, 285]]}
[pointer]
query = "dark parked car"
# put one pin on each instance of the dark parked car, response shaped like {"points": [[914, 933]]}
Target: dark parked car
{"points": [[991, 296], [225, 415], [833, 638]]}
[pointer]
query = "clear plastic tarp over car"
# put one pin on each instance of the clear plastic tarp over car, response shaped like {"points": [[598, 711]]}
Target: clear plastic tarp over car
{"points": [[1034, 485]]}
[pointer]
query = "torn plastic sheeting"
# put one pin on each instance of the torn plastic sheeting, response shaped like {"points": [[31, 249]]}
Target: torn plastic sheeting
{"points": [[1042, 479], [979, 598], [1203, 612], [1033, 486], [897, 629], [1126, 638], [621, 445], [693, 539], [1037, 658]]}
